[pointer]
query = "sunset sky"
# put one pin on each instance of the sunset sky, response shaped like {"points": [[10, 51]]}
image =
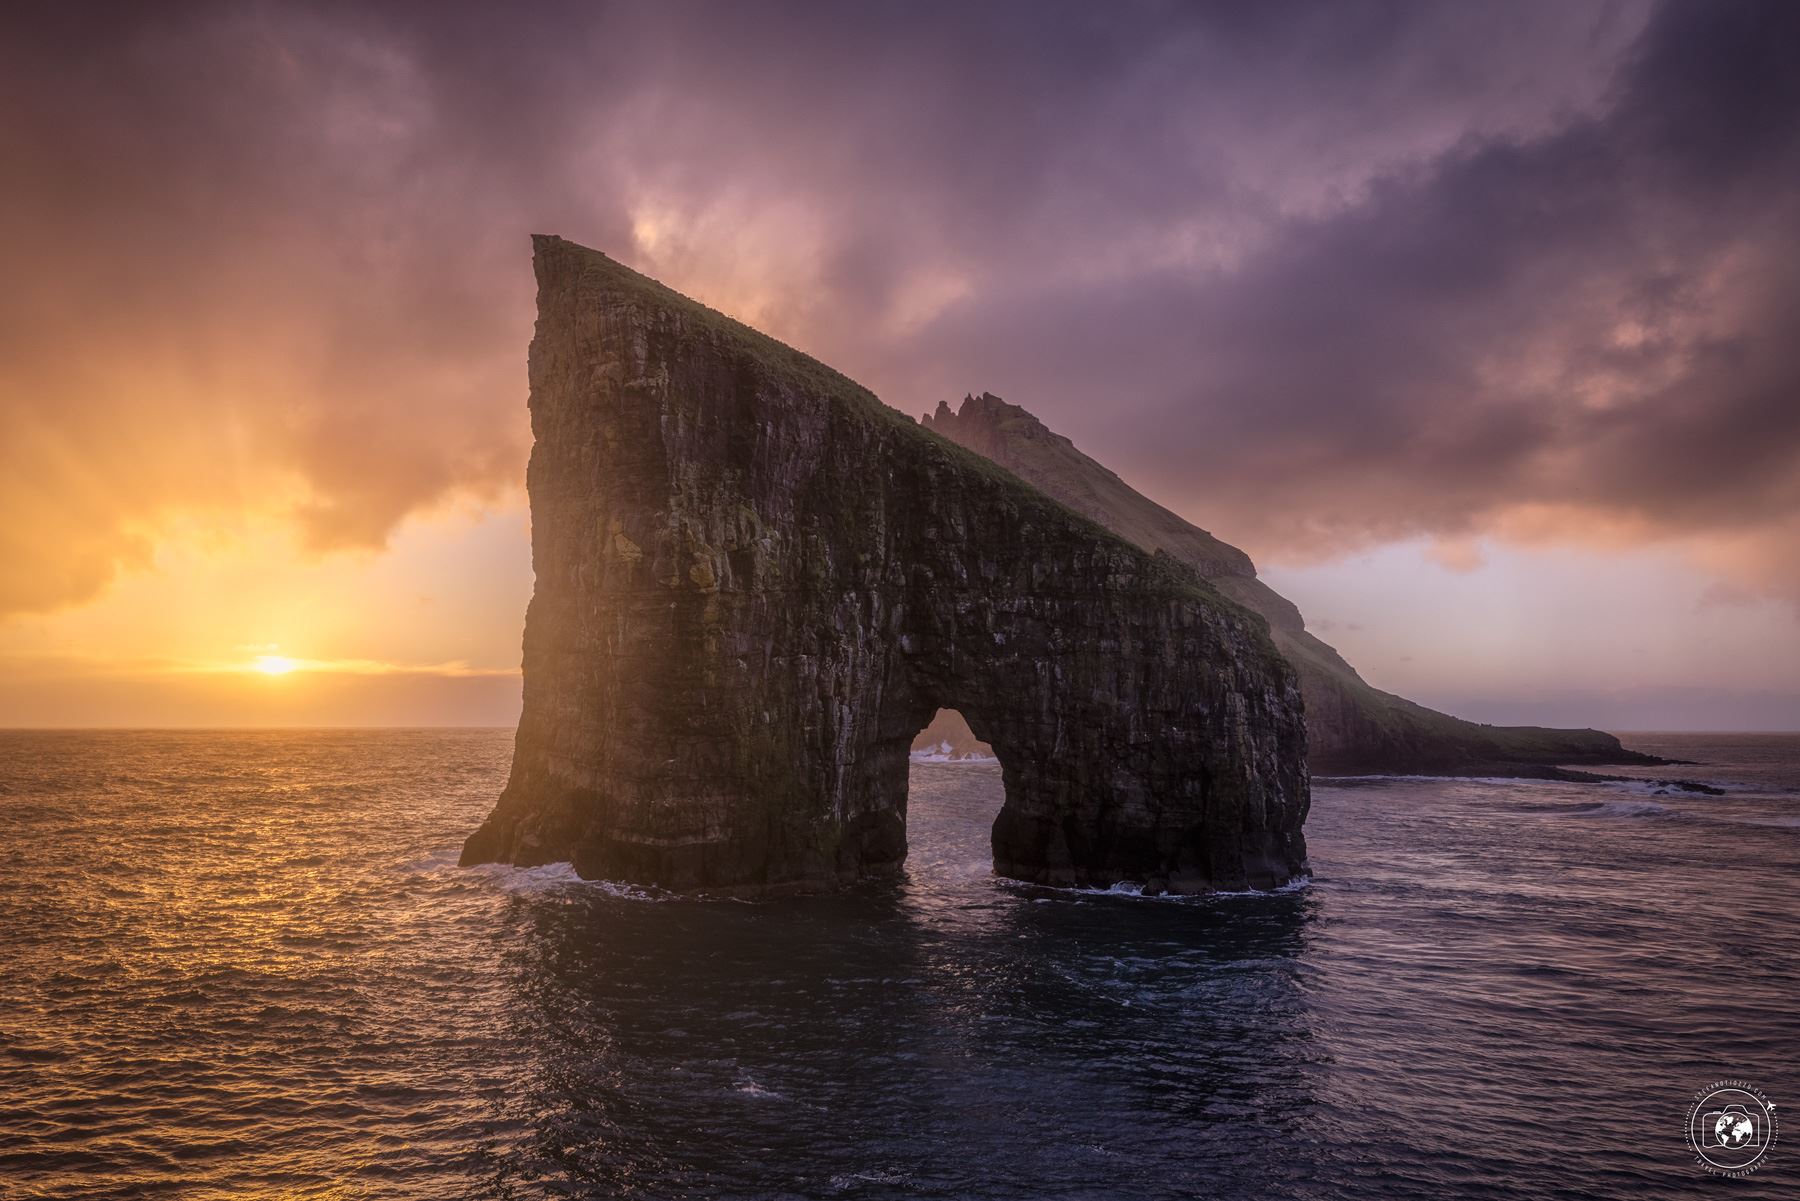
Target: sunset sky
{"points": [[1475, 324]]}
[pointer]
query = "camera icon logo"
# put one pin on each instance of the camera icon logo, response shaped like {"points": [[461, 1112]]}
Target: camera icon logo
{"points": [[1731, 1127]]}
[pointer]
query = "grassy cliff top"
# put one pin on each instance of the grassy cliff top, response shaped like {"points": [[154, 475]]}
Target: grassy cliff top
{"points": [[775, 356], [782, 362]]}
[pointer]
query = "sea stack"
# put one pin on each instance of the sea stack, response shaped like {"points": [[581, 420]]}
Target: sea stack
{"points": [[756, 584]]}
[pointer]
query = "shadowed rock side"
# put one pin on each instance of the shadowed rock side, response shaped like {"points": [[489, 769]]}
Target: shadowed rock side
{"points": [[1351, 727], [756, 584]]}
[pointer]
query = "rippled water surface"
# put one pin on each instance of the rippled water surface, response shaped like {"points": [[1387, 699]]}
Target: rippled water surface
{"points": [[246, 965]]}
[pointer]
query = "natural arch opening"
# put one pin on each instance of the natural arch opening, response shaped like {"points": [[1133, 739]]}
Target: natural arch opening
{"points": [[954, 796], [947, 738]]}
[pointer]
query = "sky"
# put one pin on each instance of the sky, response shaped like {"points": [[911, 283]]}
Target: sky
{"points": [[1473, 324]]}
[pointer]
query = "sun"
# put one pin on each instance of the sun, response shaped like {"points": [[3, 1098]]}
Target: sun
{"points": [[275, 665]]}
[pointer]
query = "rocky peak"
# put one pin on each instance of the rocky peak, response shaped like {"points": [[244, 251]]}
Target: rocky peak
{"points": [[1013, 437], [1351, 726]]}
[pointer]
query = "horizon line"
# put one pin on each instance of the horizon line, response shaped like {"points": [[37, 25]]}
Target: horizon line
{"points": [[142, 729]]}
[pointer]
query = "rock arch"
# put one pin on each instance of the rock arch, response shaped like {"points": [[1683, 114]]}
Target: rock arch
{"points": [[756, 584]]}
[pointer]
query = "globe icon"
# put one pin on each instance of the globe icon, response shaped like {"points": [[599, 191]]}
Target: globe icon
{"points": [[1734, 1129]]}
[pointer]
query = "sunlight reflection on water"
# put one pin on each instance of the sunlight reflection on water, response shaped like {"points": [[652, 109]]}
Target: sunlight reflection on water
{"points": [[245, 965]]}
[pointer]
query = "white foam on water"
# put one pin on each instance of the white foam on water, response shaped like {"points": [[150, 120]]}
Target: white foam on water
{"points": [[1299, 885], [942, 753], [551, 876], [1131, 891], [1621, 809], [528, 879], [751, 1088], [629, 892], [1671, 787], [1415, 778], [850, 1180]]}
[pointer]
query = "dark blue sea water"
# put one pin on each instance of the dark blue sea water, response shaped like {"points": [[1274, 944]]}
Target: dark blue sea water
{"points": [[245, 965]]}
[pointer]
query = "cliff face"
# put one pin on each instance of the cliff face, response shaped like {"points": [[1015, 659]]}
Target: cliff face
{"points": [[756, 584], [1351, 727]]}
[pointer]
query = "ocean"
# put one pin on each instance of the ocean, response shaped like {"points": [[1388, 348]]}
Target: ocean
{"points": [[246, 965]]}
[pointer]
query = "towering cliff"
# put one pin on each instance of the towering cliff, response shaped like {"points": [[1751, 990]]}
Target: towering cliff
{"points": [[1351, 727], [756, 584]]}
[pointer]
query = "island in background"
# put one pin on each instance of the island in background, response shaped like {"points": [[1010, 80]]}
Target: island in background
{"points": [[1352, 727]]}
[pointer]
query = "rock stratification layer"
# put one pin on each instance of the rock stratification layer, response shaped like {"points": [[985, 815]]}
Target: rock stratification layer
{"points": [[756, 584], [1351, 726]]}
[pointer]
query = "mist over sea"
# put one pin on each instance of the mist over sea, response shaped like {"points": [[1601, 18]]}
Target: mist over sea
{"points": [[244, 964]]}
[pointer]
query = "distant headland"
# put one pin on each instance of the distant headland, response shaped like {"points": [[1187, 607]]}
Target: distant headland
{"points": [[1352, 728]]}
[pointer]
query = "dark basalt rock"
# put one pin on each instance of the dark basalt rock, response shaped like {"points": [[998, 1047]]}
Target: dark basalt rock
{"points": [[756, 584], [1352, 727]]}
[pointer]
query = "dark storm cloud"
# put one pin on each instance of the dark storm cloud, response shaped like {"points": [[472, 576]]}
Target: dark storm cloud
{"points": [[1319, 274], [1593, 322]]}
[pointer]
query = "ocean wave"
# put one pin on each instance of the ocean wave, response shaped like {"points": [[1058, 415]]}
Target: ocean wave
{"points": [[942, 753], [1396, 778], [552, 876], [528, 879], [439, 860], [1675, 787], [852, 1180], [619, 890], [1131, 891], [1621, 784], [751, 1088], [1620, 809]]}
